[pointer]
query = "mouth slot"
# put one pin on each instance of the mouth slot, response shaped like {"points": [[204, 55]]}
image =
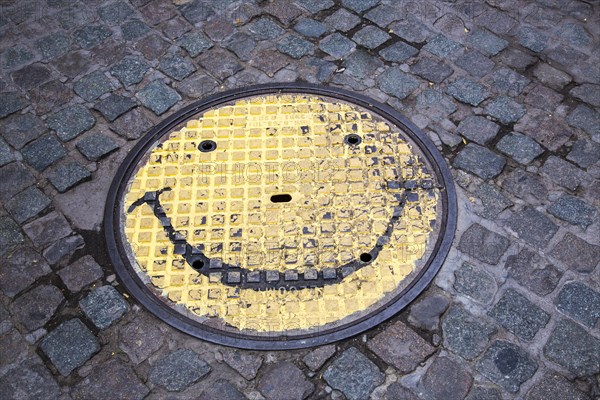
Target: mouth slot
{"points": [[281, 198]]}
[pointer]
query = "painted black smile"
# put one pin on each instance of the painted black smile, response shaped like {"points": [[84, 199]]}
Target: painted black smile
{"points": [[232, 275]]}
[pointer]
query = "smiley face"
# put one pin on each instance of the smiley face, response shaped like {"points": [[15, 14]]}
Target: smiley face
{"points": [[281, 213]]}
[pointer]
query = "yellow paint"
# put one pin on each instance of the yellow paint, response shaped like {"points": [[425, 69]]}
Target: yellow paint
{"points": [[292, 144]]}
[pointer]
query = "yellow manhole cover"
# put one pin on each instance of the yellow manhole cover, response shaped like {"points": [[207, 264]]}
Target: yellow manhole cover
{"points": [[280, 216]]}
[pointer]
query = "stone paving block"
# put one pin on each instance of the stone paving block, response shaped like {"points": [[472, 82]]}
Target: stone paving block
{"points": [[464, 334], [69, 346], [220, 63], [573, 348], [371, 37], [587, 92], [532, 226], [92, 86], [483, 244], [574, 210], [384, 14], [446, 379], [519, 315], [81, 273], [69, 175], [487, 42], [432, 98], [269, 61], [562, 173], [96, 146], [199, 85], [132, 30], [11, 102], [71, 122], [395, 82], [265, 28], [516, 58], [492, 199], [361, 64], [401, 347], [31, 76], [475, 63], [130, 70], [222, 389], [176, 66], [442, 47], [152, 46], [531, 38], [104, 306], [519, 147], [585, 118], [543, 97], [584, 153], [342, 20], [467, 91], [310, 27], [507, 365], [425, 313], [50, 96], [43, 152], [284, 380], [337, 45], [10, 235], [480, 161], [397, 391], [242, 46], [140, 338], [175, 28], [6, 155], [319, 356], [54, 45], [158, 97], [432, 70], [579, 302], [496, 21], [27, 204], [21, 129], [196, 11], [132, 125], [34, 308], [555, 386], [16, 56], [14, 177], [283, 11], [314, 6], [353, 374], [63, 249], [530, 270], [475, 283], [360, 6], [195, 43], [576, 253], [398, 52], [114, 106], [20, 269], [246, 364], [551, 76], [112, 379], [115, 13], [505, 110], [411, 30], [28, 379], [295, 46], [506, 81], [478, 129], [484, 393], [178, 370], [90, 36]]}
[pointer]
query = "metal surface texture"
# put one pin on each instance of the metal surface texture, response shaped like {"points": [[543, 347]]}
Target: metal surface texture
{"points": [[280, 216]]}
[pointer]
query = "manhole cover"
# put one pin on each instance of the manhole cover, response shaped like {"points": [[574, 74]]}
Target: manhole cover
{"points": [[280, 216]]}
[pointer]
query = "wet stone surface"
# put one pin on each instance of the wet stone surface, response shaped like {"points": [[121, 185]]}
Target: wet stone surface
{"points": [[178, 370], [353, 374], [507, 365], [104, 306]]}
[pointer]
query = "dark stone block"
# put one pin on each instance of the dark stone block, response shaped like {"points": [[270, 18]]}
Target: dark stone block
{"points": [[585, 118], [521, 148], [411, 30], [54, 45], [29, 379], [90, 36], [487, 42], [553, 386], [134, 29], [220, 63], [112, 379], [81, 273], [353, 374], [63, 249], [587, 92], [467, 91], [319, 356], [371, 37], [464, 334], [342, 20], [11, 102], [34, 308], [446, 379], [425, 313], [152, 46], [519, 315], [195, 43], [71, 122], [92, 86], [178, 370], [531, 38], [337, 45], [115, 13], [67, 176], [158, 97], [21, 268], [475, 63], [265, 28], [579, 302], [397, 83], [525, 185], [222, 389], [132, 125], [6, 155], [21, 129], [43, 152], [310, 27], [360, 6], [431, 70], [104, 306], [478, 129], [361, 64], [533, 272], [31, 76], [562, 172], [16, 56], [573, 348], [573, 210], [384, 14], [475, 283], [96, 146], [507, 365], [176, 66], [442, 47], [130, 70], [196, 11], [576, 253], [398, 52], [532, 226], [114, 106], [50, 96], [492, 199], [10, 234], [505, 110], [585, 153], [480, 161], [14, 177], [27, 204], [246, 364]]}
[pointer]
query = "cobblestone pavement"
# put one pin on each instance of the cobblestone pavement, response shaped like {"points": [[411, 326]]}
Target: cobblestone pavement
{"points": [[507, 89]]}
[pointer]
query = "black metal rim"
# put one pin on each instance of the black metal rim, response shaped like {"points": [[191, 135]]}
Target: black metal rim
{"points": [[153, 304]]}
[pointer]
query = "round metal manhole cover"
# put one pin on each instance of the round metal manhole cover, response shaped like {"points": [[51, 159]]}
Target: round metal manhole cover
{"points": [[280, 216]]}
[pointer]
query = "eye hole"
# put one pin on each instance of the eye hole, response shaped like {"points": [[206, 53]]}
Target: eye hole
{"points": [[366, 257], [198, 264], [206, 146], [281, 198], [352, 139]]}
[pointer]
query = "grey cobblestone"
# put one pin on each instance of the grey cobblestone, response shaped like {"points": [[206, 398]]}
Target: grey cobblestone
{"points": [[176, 66], [132, 30], [50, 96], [360, 6], [579, 302], [69, 346], [588, 93], [573, 348], [519, 147], [519, 315], [507, 81], [140, 338], [28, 379], [295, 46], [411, 30], [81, 273], [425, 314], [562, 173], [319, 356], [43, 152], [475, 63], [178, 370], [10, 235], [478, 129], [533, 272], [492, 199], [20, 269], [92, 86], [467, 91], [432, 70], [34, 308], [464, 334], [398, 52], [507, 365], [584, 153], [544, 98], [442, 46], [533, 39], [69, 175], [576, 253], [532, 226], [104, 306], [54, 45], [483, 244], [96, 146], [90, 36], [16, 56], [11, 102], [27, 204], [246, 364], [114, 106], [111, 379], [314, 6], [573, 210], [353, 374], [505, 110], [487, 42], [397, 83], [115, 13], [480, 161], [310, 27], [14, 177], [130, 70], [446, 379], [158, 97], [132, 125], [475, 283], [342, 20], [284, 380], [63, 249], [360, 64], [585, 118], [71, 122], [220, 63], [337, 45], [31, 76], [6, 155], [555, 386], [371, 37], [21, 129]]}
